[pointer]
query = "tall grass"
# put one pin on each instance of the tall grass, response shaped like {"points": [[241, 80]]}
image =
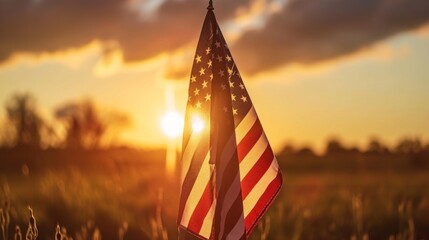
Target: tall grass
{"points": [[123, 195]]}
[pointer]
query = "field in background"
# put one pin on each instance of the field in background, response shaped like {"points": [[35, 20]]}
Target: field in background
{"points": [[125, 193]]}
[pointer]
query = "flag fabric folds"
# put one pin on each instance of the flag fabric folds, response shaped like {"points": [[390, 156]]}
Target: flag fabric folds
{"points": [[229, 174]]}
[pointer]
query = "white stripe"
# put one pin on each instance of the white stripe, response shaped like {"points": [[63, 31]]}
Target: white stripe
{"points": [[229, 199], [253, 156], [246, 124], [238, 230], [206, 228], [197, 191], [188, 154], [228, 150], [260, 187]]}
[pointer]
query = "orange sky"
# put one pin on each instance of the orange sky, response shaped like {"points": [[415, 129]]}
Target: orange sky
{"points": [[303, 93]]}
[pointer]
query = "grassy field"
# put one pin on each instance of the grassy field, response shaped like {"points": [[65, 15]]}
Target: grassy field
{"points": [[362, 205], [125, 194]]}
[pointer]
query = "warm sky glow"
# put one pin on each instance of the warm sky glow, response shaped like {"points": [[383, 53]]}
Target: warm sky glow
{"points": [[172, 124], [378, 90]]}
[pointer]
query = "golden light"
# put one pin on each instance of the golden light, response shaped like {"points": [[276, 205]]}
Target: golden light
{"points": [[172, 124], [197, 124]]}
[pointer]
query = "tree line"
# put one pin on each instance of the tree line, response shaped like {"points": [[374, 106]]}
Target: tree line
{"points": [[75, 124], [334, 146], [85, 125]]}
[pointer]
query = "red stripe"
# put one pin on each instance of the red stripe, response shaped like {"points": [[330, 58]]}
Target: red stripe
{"points": [[257, 171], [249, 140], [201, 210], [263, 203]]}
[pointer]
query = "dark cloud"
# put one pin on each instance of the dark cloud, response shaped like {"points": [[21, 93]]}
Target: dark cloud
{"points": [[304, 31], [52, 25], [308, 31]]}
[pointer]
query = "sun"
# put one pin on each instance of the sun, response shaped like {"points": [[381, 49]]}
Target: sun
{"points": [[172, 124]]}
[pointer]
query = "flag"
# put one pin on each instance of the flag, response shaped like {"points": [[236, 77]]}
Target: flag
{"points": [[229, 174]]}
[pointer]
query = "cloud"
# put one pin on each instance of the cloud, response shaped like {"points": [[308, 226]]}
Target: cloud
{"points": [[302, 31], [47, 26], [308, 31], [70, 57], [380, 53]]}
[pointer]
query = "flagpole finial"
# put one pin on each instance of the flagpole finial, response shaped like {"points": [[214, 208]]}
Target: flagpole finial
{"points": [[210, 7]]}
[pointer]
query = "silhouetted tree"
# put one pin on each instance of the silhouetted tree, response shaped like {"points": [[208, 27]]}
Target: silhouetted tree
{"points": [[409, 145], [23, 122], [334, 146], [287, 150], [414, 150], [305, 151], [376, 147], [87, 126]]}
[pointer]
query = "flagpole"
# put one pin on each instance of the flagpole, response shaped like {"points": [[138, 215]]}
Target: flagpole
{"points": [[210, 7]]}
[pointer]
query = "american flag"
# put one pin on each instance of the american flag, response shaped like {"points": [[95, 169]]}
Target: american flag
{"points": [[229, 174]]}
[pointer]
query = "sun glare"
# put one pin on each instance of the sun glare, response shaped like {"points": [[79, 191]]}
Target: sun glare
{"points": [[172, 124], [197, 124]]}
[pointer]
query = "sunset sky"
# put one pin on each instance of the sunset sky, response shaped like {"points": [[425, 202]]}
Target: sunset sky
{"points": [[314, 69]]}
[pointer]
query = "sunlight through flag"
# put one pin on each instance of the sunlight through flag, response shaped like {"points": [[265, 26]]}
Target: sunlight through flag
{"points": [[229, 174]]}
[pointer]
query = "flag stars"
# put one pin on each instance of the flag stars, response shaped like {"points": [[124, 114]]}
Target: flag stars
{"points": [[233, 97], [207, 97], [243, 98], [230, 71], [198, 104], [223, 87], [193, 78], [219, 58], [209, 63], [231, 84], [196, 92], [204, 84], [241, 86], [202, 71], [211, 76], [228, 58], [234, 111], [208, 50], [198, 58], [217, 43], [221, 73]]}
